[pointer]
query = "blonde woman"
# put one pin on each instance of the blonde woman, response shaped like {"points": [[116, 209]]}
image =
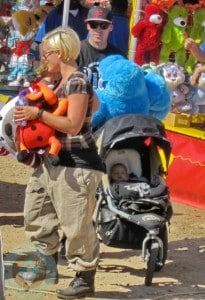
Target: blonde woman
{"points": [[64, 195]]}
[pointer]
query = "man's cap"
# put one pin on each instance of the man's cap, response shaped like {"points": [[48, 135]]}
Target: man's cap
{"points": [[99, 13]]}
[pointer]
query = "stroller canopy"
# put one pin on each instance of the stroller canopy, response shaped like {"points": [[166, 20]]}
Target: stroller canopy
{"points": [[128, 130]]}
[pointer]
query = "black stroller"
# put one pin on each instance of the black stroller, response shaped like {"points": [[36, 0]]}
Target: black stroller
{"points": [[135, 214]]}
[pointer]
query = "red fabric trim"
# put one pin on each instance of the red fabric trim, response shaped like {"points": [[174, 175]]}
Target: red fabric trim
{"points": [[186, 174]]}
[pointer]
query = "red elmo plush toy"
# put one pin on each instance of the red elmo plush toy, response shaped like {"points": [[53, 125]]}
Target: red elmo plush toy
{"points": [[148, 32], [36, 134]]}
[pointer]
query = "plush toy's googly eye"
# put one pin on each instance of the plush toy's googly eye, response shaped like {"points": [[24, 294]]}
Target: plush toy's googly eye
{"points": [[180, 22]]}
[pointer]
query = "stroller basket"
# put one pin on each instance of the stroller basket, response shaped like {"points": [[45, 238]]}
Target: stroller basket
{"points": [[124, 223]]}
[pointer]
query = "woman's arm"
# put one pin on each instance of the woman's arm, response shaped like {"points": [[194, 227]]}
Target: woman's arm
{"points": [[196, 51], [196, 74], [72, 123]]}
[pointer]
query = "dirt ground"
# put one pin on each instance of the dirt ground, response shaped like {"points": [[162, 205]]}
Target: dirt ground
{"points": [[121, 272]]}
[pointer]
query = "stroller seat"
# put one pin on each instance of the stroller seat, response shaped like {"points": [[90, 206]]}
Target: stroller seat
{"points": [[138, 186], [128, 157]]}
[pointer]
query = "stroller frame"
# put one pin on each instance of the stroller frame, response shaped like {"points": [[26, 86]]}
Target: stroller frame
{"points": [[154, 222]]}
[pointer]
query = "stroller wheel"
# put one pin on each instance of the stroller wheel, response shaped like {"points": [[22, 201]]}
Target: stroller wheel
{"points": [[164, 237], [151, 264]]}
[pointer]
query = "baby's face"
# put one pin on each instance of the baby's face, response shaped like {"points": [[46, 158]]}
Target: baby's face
{"points": [[119, 174]]}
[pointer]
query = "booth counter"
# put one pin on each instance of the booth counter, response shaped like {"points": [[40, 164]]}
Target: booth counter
{"points": [[186, 174]]}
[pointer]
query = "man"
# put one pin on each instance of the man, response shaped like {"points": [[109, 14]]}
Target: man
{"points": [[119, 37], [96, 47]]}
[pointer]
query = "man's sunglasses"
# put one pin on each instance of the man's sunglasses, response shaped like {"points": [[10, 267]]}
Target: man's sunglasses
{"points": [[102, 25]]}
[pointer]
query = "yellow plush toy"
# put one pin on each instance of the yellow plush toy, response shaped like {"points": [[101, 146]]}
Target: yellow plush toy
{"points": [[173, 37], [24, 21]]}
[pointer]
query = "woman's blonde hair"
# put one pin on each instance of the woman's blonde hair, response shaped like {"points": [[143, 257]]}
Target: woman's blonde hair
{"points": [[65, 40], [42, 69]]}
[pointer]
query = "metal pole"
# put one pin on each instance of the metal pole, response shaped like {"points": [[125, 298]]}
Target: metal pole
{"points": [[136, 4], [66, 7]]}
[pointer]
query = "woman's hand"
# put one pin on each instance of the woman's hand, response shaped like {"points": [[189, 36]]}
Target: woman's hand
{"points": [[190, 44], [23, 113], [196, 75]]}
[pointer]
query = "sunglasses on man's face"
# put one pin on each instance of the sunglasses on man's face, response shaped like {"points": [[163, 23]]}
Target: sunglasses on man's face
{"points": [[102, 25]]}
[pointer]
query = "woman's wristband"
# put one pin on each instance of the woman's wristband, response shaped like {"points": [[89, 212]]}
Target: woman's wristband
{"points": [[40, 113]]}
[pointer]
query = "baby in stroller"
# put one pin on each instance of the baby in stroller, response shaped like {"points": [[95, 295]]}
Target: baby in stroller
{"points": [[119, 173], [119, 177], [125, 166]]}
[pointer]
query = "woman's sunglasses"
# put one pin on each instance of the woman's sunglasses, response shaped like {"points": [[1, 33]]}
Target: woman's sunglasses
{"points": [[102, 25]]}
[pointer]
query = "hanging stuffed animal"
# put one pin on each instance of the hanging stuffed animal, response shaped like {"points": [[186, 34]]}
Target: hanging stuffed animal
{"points": [[173, 35], [192, 4], [26, 5], [174, 77], [164, 4], [21, 63], [36, 134], [148, 32]]}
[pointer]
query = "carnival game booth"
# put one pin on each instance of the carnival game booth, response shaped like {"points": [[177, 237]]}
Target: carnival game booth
{"points": [[17, 62], [185, 124], [187, 167]]}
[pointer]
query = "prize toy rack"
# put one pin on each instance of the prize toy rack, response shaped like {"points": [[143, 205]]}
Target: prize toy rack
{"points": [[16, 57]]}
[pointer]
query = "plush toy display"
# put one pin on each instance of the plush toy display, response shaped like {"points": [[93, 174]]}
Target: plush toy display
{"points": [[173, 37], [164, 4], [36, 134], [150, 68], [5, 14], [26, 5], [159, 95], [21, 63], [197, 95], [197, 33], [192, 4], [126, 88], [24, 22], [148, 32], [175, 79]]}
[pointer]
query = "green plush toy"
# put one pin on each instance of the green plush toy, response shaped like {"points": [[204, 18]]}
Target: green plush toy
{"points": [[173, 35], [197, 33]]}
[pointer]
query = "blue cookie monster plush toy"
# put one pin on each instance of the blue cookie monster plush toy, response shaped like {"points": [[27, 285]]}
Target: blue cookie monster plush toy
{"points": [[159, 95], [126, 88]]}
